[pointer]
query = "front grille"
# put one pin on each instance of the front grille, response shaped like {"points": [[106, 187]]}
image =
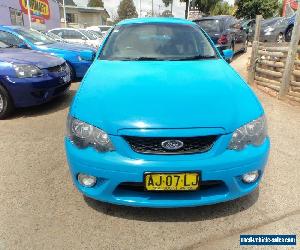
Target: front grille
{"points": [[153, 145], [58, 68]]}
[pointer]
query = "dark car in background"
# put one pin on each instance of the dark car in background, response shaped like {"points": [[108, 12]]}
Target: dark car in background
{"points": [[225, 31], [274, 30], [29, 78]]}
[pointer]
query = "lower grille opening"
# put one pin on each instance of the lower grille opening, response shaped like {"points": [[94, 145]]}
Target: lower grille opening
{"points": [[155, 145], [139, 186]]}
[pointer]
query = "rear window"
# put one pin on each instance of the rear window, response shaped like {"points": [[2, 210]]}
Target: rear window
{"points": [[210, 25]]}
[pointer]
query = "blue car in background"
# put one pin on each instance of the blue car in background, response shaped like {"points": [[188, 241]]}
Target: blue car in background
{"points": [[289, 29], [29, 78], [78, 57], [167, 123]]}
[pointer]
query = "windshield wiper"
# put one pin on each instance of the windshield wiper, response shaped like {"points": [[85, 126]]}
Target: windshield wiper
{"points": [[145, 58], [197, 57]]}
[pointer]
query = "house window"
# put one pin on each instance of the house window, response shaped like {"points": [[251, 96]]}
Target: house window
{"points": [[16, 17], [71, 18]]}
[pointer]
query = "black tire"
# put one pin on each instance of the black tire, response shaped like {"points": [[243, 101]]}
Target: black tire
{"points": [[280, 38], [72, 72], [288, 34], [245, 46], [6, 104]]}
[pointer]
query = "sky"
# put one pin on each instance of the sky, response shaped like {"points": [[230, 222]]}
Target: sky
{"points": [[112, 6]]}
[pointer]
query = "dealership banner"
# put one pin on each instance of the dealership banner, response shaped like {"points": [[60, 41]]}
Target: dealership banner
{"points": [[39, 9]]}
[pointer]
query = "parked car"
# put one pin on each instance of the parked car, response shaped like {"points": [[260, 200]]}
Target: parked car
{"points": [[80, 36], [249, 26], [225, 31], [166, 115], [78, 57], [273, 29], [29, 78], [103, 29]]}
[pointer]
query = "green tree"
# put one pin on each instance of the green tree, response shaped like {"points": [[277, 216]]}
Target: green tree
{"points": [[126, 10], [95, 3], [250, 8], [222, 8]]}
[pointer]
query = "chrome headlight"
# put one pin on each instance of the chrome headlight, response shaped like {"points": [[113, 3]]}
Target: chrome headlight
{"points": [[253, 133], [84, 135], [26, 70]]}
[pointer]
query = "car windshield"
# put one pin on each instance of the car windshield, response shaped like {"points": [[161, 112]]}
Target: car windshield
{"points": [[272, 22], [88, 34], [210, 25], [157, 41], [34, 36]]}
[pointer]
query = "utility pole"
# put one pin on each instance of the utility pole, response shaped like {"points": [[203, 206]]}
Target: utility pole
{"points": [[152, 9], [172, 7], [29, 13], [64, 8], [188, 9]]}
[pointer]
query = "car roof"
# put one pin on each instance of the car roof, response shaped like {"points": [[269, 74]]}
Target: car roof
{"points": [[155, 20], [213, 17], [11, 27]]}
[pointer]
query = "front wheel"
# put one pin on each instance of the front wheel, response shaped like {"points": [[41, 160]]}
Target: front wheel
{"points": [[280, 38], [6, 104]]}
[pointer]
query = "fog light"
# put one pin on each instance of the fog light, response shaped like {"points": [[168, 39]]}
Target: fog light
{"points": [[87, 180], [250, 177]]}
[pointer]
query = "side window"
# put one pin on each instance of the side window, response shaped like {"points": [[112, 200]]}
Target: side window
{"points": [[56, 32], [75, 34], [9, 38]]}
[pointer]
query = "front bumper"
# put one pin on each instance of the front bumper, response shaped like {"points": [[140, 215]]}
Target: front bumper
{"points": [[27, 92], [114, 169]]}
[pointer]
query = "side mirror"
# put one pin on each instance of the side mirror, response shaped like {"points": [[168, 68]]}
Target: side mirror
{"points": [[227, 54], [23, 46]]}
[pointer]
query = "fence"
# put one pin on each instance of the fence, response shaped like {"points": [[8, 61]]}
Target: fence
{"points": [[277, 67], [269, 68]]}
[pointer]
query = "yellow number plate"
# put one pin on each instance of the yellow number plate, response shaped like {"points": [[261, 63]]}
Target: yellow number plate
{"points": [[171, 181]]}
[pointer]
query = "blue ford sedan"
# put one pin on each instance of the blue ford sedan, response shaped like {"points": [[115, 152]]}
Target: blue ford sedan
{"points": [[78, 57], [167, 122], [29, 78]]}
